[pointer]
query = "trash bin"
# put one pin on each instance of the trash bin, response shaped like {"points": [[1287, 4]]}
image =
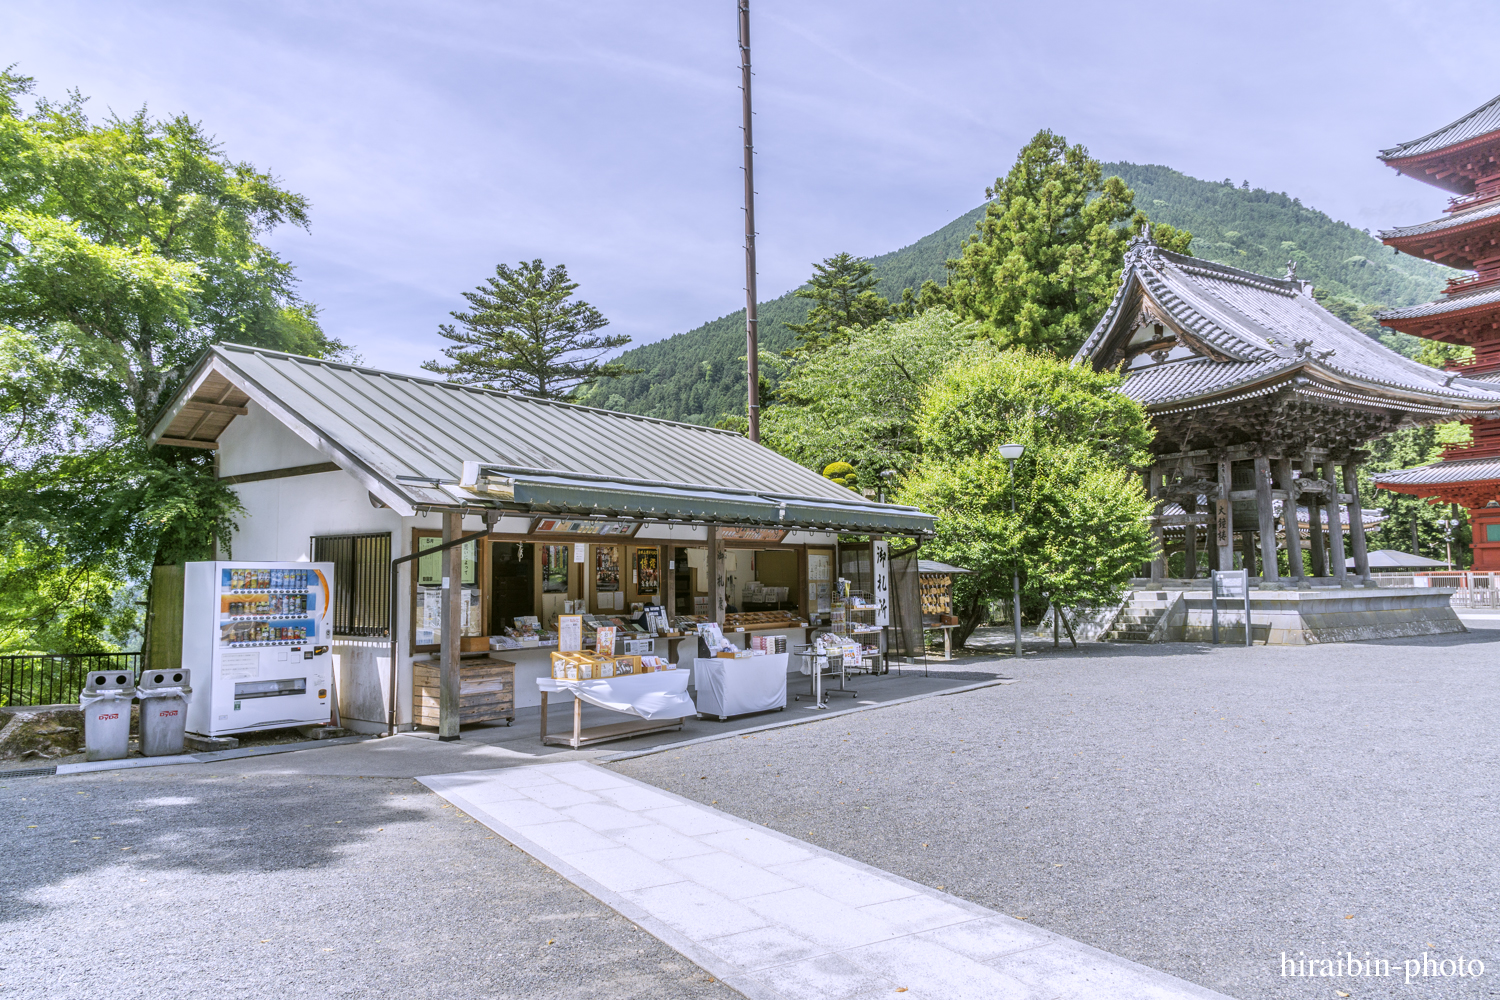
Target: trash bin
{"points": [[164, 700], [105, 703]]}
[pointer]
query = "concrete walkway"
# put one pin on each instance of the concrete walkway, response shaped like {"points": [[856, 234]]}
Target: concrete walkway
{"points": [[774, 917]]}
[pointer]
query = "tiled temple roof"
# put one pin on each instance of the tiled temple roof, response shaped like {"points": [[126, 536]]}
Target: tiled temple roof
{"points": [[1482, 120], [1265, 332], [1457, 302], [1471, 470], [1483, 211]]}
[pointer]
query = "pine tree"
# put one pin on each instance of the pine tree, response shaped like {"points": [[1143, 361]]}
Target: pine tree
{"points": [[525, 333], [1049, 250], [842, 290]]}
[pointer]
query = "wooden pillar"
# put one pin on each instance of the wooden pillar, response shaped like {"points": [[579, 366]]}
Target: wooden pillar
{"points": [[1224, 517], [1357, 523], [1340, 571], [1267, 515], [1247, 550], [1314, 523], [1158, 536], [716, 573], [1190, 539], [450, 639], [1289, 521], [668, 571]]}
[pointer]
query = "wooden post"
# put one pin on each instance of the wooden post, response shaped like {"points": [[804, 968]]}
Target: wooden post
{"points": [[1340, 570], [716, 573], [1314, 523], [448, 709], [1158, 536], [1357, 523], [1269, 572], [1224, 517], [1247, 542], [1190, 541], [667, 572], [1289, 522]]}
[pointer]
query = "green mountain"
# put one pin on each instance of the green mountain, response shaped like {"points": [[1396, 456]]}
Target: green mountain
{"points": [[700, 375]]}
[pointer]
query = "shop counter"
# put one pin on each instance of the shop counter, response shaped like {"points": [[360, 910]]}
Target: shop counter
{"points": [[659, 701], [738, 687]]}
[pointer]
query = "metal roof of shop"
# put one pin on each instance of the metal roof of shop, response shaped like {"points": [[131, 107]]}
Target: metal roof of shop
{"points": [[1389, 559], [940, 568], [408, 438]]}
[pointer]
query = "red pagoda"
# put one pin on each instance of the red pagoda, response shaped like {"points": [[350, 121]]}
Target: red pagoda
{"points": [[1463, 158]]}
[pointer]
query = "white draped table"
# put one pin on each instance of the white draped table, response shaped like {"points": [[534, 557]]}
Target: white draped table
{"points": [[659, 701]]}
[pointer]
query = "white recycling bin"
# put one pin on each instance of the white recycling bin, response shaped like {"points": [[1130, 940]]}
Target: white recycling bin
{"points": [[105, 703], [164, 702]]}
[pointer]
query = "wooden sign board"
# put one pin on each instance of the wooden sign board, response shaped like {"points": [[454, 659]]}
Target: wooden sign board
{"points": [[751, 534], [1221, 520], [552, 525]]}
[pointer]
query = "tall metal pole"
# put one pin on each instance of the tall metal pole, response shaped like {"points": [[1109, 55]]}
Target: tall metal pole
{"points": [[1015, 579], [752, 366]]}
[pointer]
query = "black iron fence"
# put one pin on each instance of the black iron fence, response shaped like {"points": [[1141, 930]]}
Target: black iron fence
{"points": [[57, 679]]}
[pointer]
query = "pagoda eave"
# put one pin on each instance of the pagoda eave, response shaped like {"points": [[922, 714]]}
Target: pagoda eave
{"points": [[1454, 168], [1461, 247], [1466, 495]]}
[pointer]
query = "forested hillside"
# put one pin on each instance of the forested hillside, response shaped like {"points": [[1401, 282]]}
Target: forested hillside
{"points": [[700, 375]]}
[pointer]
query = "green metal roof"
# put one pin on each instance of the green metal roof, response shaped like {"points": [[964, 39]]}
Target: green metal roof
{"points": [[408, 438]]}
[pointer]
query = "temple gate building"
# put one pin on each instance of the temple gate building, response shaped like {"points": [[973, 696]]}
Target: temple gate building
{"points": [[1463, 158], [1262, 401]]}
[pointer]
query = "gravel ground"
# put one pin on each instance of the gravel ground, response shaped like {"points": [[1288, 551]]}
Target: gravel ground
{"points": [[1199, 810], [173, 882]]}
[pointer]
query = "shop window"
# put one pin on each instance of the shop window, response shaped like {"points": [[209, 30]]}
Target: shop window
{"points": [[361, 581]]}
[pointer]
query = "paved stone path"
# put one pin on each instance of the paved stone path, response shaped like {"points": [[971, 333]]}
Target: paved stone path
{"points": [[774, 917]]}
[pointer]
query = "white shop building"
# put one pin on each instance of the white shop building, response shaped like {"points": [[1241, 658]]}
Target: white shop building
{"points": [[583, 510]]}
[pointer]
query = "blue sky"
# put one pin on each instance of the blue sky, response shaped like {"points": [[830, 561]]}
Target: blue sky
{"points": [[435, 140]]}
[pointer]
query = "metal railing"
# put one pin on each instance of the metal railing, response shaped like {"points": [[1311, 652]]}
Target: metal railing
{"points": [[56, 679], [1470, 589]]}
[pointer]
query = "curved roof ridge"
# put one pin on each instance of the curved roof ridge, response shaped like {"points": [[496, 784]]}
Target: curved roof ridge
{"points": [[1486, 117]]}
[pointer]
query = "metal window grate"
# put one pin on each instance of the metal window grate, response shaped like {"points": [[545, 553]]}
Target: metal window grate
{"points": [[361, 581]]}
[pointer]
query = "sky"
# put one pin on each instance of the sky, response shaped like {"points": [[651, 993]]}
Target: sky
{"points": [[436, 140]]}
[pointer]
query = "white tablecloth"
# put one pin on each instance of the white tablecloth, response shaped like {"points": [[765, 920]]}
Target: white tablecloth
{"points": [[737, 687], [661, 694]]}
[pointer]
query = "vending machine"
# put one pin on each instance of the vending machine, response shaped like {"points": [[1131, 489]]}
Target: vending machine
{"points": [[258, 637]]}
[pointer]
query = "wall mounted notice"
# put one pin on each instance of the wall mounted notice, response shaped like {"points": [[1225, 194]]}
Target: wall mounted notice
{"points": [[570, 633]]}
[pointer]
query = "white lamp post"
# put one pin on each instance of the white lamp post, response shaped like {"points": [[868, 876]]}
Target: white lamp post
{"points": [[1010, 451]]}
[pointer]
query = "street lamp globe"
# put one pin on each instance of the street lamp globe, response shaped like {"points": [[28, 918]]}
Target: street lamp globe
{"points": [[1011, 451]]}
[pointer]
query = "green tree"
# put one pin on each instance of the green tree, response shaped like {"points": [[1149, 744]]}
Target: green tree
{"points": [[843, 296], [126, 247], [856, 400], [1048, 254], [1079, 529], [525, 333]]}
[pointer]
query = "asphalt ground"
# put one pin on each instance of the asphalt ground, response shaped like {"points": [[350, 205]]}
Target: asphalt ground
{"points": [[187, 882], [1200, 810]]}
